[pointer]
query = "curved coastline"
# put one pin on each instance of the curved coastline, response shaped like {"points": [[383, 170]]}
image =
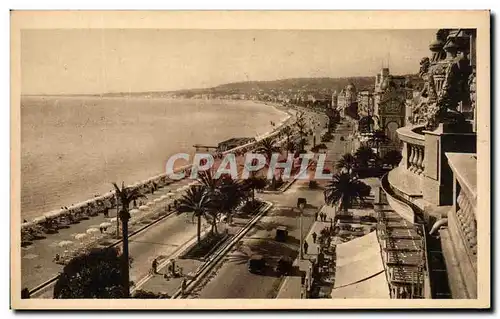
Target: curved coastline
{"points": [[108, 200]]}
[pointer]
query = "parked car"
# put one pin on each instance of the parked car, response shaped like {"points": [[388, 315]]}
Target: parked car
{"points": [[281, 233], [257, 264]]}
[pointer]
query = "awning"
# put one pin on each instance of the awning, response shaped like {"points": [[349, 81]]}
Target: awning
{"points": [[359, 269], [374, 288]]}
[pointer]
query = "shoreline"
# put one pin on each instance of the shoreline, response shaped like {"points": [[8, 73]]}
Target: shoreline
{"points": [[107, 200]]}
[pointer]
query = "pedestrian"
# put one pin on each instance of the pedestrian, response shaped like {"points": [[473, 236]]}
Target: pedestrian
{"points": [[306, 245], [314, 236], [324, 217], [154, 266], [183, 286], [316, 216], [101, 229]]}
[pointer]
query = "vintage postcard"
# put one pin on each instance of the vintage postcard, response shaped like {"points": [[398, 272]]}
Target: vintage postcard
{"points": [[250, 160]]}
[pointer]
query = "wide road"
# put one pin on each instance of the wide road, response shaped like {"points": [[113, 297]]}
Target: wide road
{"points": [[232, 279], [161, 239]]}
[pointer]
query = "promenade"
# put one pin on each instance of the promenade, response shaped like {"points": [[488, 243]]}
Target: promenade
{"points": [[163, 239]]}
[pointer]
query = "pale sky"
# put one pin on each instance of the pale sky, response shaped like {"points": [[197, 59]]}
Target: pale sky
{"points": [[97, 61]]}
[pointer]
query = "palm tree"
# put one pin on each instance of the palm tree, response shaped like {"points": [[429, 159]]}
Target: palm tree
{"points": [[268, 148], [289, 145], [254, 182], [392, 158], [379, 138], [301, 125], [198, 200], [126, 196], [207, 179], [363, 156], [347, 163], [230, 193], [344, 188]]}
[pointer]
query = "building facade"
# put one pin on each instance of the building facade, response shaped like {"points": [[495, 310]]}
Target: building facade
{"points": [[389, 109], [435, 185]]}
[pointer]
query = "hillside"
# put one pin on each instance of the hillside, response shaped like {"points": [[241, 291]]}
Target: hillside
{"points": [[298, 84], [286, 86]]}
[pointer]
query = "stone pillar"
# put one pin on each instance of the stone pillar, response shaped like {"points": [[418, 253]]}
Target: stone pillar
{"points": [[438, 177]]}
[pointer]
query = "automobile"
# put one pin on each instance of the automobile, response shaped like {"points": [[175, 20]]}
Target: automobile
{"points": [[281, 233], [257, 264], [284, 266]]}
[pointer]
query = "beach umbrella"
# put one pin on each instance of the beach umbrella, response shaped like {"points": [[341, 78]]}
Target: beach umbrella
{"points": [[92, 231], [170, 194], [65, 243], [163, 197], [80, 236], [106, 224], [143, 207], [112, 220]]}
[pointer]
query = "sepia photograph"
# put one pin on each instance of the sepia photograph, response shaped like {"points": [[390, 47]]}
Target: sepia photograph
{"points": [[213, 160]]}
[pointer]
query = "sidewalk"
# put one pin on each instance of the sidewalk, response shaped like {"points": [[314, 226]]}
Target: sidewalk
{"points": [[291, 286]]}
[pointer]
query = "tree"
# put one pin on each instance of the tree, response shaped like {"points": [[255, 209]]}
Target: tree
{"points": [[254, 183], [126, 196], [343, 189], [268, 148], [301, 126], [378, 138], [96, 274], [363, 156], [144, 294], [347, 163], [198, 200], [392, 158], [210, 183], [289, 145], [229, 196]]}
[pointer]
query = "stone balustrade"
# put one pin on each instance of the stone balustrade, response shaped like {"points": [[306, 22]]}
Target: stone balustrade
{"points": [[466, 218], [463, 213], [413, 149]]}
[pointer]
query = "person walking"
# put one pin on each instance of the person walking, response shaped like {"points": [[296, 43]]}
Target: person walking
{"points": [[154, 266], [183, 286], [306, 245], [316, 216], [314, 236]]}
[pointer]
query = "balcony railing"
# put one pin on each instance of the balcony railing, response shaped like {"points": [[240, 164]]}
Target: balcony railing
{"points": [[463, 215], [413, 149]]}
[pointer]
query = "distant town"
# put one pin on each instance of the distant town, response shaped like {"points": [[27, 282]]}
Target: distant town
{"points": [[299, 91]]}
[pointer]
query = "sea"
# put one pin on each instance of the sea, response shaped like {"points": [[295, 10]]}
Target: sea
{"points": [[74, 147]]}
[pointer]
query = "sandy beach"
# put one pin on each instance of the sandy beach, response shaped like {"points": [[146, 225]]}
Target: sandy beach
{"points": [[74, 147]]}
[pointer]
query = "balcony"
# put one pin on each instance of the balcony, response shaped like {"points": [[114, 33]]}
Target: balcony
{"points": [[460, 237], [407, 179]]}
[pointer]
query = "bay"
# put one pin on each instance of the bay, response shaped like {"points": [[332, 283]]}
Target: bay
{"points": [[74, 147]]}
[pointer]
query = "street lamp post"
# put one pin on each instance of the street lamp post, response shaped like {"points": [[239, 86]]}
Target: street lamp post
{"points": [[117, 217], [301, 209]]}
